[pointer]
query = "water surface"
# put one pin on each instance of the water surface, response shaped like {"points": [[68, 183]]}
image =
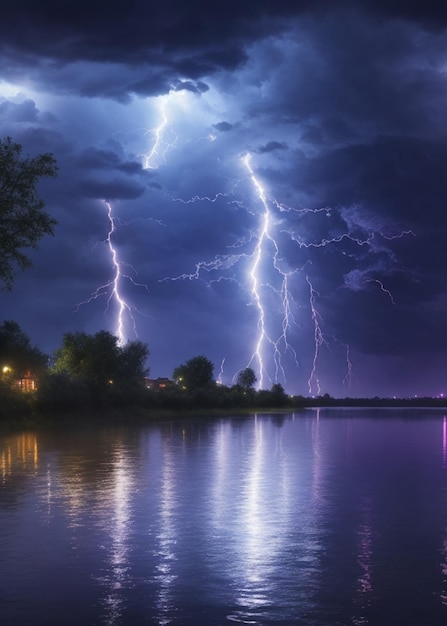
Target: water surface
{"points": [[330, 517]]}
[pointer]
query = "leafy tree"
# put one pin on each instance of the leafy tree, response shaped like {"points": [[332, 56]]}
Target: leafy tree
{"points": [[100, 361], [194, 374], [61, 393], [246, 378], [131, 364], [278, 395], [23, 222], [17, 355]]}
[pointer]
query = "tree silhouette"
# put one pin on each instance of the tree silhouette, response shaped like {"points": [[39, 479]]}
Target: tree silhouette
{"points": [[194, 374], [23, 222], [100, 361], [17, 354], [246, 378]]}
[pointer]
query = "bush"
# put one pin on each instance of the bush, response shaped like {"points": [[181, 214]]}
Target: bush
{"points": [[59, 392], [14, 404]]}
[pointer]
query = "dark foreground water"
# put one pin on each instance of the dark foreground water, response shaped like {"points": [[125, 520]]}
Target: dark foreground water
{"points": [[318, 518]]}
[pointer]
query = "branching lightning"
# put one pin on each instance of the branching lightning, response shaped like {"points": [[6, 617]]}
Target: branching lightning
{"points": [[112, 290], [313, 381], [347, 380], [116, 282], [201, 198], [267, 272], [264, 247], [161, 144], [264, 237], [254, 272]]}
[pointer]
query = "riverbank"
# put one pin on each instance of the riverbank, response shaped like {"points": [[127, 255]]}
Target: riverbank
{"points": [[131, 416], [138, 415]]}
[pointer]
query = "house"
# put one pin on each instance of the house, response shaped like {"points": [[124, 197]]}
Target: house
{"points": [[27, 382], [159, 384]]}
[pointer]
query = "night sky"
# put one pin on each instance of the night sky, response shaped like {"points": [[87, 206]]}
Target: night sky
{"points": [[290, 206]]}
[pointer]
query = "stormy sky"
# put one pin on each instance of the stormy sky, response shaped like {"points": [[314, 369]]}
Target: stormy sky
{"points": [[275, 174]]}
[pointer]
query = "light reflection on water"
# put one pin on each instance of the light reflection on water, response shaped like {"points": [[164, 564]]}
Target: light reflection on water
{"points": [[19, 451], [444, 569], [258, 523], [444, 441], [166, 537], [365, 560], [314, 519], [116, 514]]}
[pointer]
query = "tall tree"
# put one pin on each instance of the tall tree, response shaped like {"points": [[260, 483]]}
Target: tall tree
{"points": [[194, 374], [246, 378], [99, 361], [278, 395], [17, 355], [23, 222]]}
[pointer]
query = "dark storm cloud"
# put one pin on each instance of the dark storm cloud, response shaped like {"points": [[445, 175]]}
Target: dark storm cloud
{"points": [[223, 127], [195, 38], [117, 31], [96, 158], [21, 112], [188, 85], [271, 146], [123, 30], [113, 189], [432, 14]]}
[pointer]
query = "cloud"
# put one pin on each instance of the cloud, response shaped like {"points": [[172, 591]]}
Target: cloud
{"points": [[112, 189], [223, 127], [193, 87], [97, 158], [271, 146], [21, 112]]}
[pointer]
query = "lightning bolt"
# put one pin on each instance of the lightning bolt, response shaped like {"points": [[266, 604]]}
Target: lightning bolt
{"points": [[116, 282], [383, 288], [112, 290], [260, 253], [320, 339], [261, 249], [254, 271], [313, 382], [201, 198], [265, 237], [347, 380], [162, 143], [221, 371], [263, 246]]}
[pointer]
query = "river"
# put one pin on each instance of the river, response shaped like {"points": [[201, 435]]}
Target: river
{"points": [[319, 518]]}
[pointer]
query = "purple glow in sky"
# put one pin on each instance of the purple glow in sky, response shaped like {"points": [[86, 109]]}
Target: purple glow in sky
{"points": [[276, 174]]}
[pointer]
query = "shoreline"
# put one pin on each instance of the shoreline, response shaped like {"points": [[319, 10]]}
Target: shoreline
{"points": [[137, 415]]}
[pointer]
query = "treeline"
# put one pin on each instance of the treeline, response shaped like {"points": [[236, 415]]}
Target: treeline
{"points": [[60, 395], [92, 374]]}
